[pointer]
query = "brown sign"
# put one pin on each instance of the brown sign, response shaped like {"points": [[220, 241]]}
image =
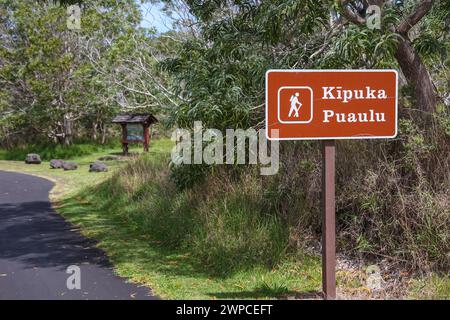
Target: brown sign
{"points": [[331, 104]]}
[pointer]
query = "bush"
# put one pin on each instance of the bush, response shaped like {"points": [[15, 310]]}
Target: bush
{"points": [[238, 230], [52, 151], [391, 196], [186, 176]]}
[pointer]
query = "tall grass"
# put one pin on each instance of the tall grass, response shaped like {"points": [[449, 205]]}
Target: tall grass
{"points": [[225, 225]]}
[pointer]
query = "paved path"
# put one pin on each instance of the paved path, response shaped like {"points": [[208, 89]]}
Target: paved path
{"points": [[37, 245]]}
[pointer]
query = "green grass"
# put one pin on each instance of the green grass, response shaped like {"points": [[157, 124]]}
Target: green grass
{"points": [[154, 234], [175, 273], [432, 287], [74, 181], [171, 271], [202, 243]]}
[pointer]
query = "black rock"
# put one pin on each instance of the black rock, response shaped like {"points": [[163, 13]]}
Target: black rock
{"points": [[98, 167], [33, 158], [56, 164], [70, 166]]}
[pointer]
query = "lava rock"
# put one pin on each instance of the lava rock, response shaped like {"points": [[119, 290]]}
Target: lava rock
{"points": [[56, 164], [33, 158], [98, 167], [70, 166]]}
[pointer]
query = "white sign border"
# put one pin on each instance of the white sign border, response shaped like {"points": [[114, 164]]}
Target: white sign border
{"points": [[333, 138]]}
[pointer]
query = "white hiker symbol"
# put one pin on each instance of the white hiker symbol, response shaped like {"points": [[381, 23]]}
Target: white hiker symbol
{"points": [[295, 105]]}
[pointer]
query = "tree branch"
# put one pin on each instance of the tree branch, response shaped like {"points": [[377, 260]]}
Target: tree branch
{"points": [[421, 10]]}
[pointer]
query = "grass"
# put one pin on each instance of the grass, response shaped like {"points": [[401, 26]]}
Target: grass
{"points": [[153, 235], [73, 181], [66, 181], [172, 273], [148, 231], [432, 287], [175, 273]]}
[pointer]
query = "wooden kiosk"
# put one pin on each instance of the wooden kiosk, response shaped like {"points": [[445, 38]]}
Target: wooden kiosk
{"points": [[135, 129]]}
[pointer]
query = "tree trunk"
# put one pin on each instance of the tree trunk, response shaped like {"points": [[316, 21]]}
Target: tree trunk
{"points": [[68, 129], [104, 132], [6, 138], [417, 75], [94, 131], [409, 60]]}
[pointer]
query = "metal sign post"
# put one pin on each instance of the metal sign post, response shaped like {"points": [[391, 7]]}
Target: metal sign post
{"points": [[328, 220]]}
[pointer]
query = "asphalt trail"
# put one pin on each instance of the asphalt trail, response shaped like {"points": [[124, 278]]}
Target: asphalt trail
{"points": [[37, 246]]}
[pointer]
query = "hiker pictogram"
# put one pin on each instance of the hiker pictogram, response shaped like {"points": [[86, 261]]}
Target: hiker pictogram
{"points": [[295, 104]]}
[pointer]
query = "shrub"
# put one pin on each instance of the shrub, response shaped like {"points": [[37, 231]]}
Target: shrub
{"points": [[238, 230], [52, 151], [391, 196], [186, 176]]}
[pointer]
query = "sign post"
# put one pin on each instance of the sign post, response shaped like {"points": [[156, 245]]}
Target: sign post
{"points": [[328, 105], [328, 220]]}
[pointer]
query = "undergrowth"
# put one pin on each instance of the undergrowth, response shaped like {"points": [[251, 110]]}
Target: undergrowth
{"points": [[392, 204], [227, 228], [53, 151]]}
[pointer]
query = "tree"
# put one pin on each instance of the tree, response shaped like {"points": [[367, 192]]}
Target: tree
{"points": [[408, 58], [226, 47], [51, 85]]}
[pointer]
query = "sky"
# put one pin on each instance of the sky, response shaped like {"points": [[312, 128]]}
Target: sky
{"points": [[154, 17]]}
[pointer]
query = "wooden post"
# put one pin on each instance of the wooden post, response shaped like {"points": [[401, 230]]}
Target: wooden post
{"points": [[124, 140], [146, 137], [329, 220]]}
